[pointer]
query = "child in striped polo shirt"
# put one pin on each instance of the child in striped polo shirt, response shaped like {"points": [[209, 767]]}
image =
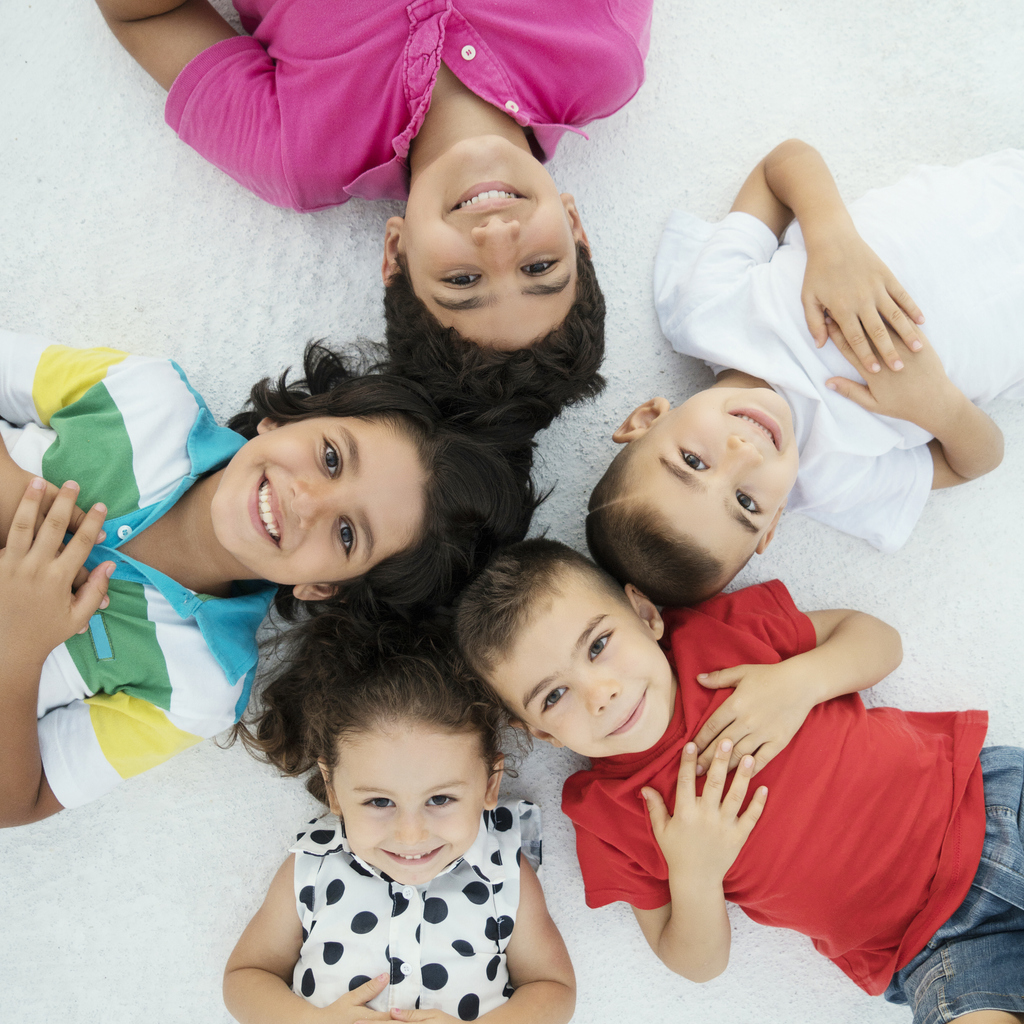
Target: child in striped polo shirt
{"points": [[335, 488]]}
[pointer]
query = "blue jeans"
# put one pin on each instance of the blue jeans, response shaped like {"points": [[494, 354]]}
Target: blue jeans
{"points": [[975, 961]]}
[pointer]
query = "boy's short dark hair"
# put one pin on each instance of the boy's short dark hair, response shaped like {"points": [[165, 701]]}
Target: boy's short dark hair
{"points": [[530, 386], [493, 609], [632, 542]]}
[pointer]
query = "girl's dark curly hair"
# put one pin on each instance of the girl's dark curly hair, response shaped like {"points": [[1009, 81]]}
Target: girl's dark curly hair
{"points": [[340, 679], [525, 389], [478, 494]]}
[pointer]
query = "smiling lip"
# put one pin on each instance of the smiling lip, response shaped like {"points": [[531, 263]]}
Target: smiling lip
{"points": [[487, 186], [762, 419], [409, 859], [634, 717], [254, 512]]}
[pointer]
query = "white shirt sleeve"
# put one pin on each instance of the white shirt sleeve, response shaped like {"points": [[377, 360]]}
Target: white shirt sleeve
{"points": [[19, 356]]}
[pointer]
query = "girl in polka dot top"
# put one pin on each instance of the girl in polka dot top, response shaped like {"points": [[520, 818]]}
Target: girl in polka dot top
{"points": [[416, 897]]}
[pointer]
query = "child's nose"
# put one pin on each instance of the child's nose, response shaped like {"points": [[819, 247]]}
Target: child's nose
{"points": [[600, 694], [741, 449], [309, 501], [410, 829]]}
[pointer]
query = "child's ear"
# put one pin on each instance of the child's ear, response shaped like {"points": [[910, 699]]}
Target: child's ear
{"points": [[769, 534], [332, 800], [314, 591], [266, 424], [578, 234], [537, 734], [646, 610], [641, 419], [494, 784], [392, 236]]}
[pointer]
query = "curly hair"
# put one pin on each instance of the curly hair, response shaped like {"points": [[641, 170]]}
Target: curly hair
{"points": [[478, 494], [527, 388], [632, 542], [340, 680]]}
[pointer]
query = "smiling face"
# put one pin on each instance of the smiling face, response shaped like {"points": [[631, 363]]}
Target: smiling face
{"points": [[318, 501], [488, 243], [586, 671], [719, 467], [411, 797]]}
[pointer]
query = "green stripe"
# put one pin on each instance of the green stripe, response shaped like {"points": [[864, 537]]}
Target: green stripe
{"points": [[93, 448], [137, 666]]}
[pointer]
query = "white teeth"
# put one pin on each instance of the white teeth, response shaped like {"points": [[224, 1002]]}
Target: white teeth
{"points": [[418, 856], [764, 429], [492, 194], [266, 515]]}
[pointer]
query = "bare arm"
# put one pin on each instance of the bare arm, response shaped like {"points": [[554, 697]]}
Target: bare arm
{"points": [[38, 611], [164, 35], [700, 841], [770, 702], [844, 278], [258, 976]]}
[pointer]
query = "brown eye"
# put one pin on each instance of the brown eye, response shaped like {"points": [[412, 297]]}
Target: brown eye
{"points": [[695, 462]]}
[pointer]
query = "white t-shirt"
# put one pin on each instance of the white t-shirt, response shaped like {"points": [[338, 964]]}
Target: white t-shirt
{"points": [[729, 294]]}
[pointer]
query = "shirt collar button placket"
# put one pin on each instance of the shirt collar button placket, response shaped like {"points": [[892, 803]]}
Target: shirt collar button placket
{"points": [[403, 993]]}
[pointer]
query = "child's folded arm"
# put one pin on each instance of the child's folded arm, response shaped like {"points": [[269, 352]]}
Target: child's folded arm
{"points": [[967, 443], [770, 702], [39, 612], [700, 841], [165, 35], [844, 276], [258, 975]]}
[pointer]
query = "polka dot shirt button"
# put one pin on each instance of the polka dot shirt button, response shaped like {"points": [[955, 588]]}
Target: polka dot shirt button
{"points": [[408, 892], [124, 531], [468, 52], [406, 969], [512, 106]]}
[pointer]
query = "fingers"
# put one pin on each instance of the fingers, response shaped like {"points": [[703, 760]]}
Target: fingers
{"points": [[852, 390], [856, 339], [719, 769], [92, 595], [905, 305], [815, 314], [369, 989], [50, 535], [749, 817], [875, 327], [22, 531], [656, 809], [88, 533]]}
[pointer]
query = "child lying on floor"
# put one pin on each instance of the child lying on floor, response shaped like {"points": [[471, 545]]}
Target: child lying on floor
{"points": [[889, 838], [699, 488], [416, 898], [337, 488]]}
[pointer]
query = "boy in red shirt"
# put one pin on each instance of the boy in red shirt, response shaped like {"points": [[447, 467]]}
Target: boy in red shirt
{"points": [[880, 820]]}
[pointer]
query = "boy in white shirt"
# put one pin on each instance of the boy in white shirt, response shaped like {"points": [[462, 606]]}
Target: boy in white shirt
{"points": [[699, 488]]}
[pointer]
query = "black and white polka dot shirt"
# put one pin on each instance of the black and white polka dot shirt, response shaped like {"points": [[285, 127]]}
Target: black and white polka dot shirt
{"points": [[443, 942]]}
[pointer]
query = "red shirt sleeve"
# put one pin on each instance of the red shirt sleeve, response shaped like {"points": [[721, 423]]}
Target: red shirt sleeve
{"points": [[765, 611], [609, 875], [224, 104]]}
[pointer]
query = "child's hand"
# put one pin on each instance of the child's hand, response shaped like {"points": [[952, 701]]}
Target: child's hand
{"points": [[921, 393], [38, 609], [706, 833], [847, 281], [351, 1008], [13, 481], [759, 718]]}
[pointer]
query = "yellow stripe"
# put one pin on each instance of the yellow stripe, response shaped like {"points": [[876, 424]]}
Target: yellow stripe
{"points": [[64, 374], [133, 734]]}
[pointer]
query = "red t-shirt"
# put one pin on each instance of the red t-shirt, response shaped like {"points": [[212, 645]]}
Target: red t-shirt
{"points": [[875, 819]]}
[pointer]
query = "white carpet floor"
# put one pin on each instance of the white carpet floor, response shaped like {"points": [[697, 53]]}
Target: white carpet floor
{"points": [[112, 232]]}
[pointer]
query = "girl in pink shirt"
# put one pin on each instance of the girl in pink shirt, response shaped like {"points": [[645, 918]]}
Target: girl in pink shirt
{"points": [[452, 105]]}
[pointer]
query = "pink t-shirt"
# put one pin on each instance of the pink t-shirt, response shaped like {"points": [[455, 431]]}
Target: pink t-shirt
{"points": [[321, 101]]}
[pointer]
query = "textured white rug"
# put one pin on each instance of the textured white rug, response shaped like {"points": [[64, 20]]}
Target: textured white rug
{"points": [[114, 233]]}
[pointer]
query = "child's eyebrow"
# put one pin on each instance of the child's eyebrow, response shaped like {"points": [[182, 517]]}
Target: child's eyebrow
{"points": [[548, 680], [460, 305]]}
